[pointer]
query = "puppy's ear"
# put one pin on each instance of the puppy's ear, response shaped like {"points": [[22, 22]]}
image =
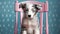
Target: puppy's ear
{"points": [[22, 5], [37, 7]]}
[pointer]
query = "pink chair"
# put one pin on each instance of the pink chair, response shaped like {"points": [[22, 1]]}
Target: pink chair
{"points": [[44, 9]]}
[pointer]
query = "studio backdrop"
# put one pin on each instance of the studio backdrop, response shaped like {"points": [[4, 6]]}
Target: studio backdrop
{"points": [[8, 15]]}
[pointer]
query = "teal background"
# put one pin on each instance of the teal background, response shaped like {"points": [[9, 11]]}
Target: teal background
{"points": [[7, 17]]}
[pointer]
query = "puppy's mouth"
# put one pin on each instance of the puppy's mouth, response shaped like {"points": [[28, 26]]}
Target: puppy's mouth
{"points": [[29, 18]]}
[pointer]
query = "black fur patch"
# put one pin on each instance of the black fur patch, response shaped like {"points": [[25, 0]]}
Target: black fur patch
{"points": [[35, 6], [22, 5]]}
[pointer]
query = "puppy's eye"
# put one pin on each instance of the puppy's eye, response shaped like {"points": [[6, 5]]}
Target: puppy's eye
{"points": [[26, 9], [33, 10]]}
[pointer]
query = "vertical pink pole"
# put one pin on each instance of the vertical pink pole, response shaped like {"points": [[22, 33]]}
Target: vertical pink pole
{"points": [[41, 22], [21, 16], [47, 32], [46, 22], [16, 24]]}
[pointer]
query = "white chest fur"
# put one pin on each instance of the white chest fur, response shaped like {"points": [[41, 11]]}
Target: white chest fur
{"points": [[34, 23]]}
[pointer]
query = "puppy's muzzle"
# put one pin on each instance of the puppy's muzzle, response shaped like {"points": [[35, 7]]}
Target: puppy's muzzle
{"points": [[29, 16]]}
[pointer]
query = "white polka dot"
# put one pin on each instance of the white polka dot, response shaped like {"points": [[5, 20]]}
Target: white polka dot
{"points": [[12, 11], [9, 2], [0, 3], [0, 25], [5, 2], [10, 15], [8, 19], [6, 6], [3, 25], [8, 25], [13, 3], [6, 15], [2, 15], [10, 30], [12, 20], [8, 10], [51, 3]]}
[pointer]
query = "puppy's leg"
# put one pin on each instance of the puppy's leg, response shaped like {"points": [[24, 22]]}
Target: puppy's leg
{"points": [[37, 31], [30, 31], [24, 32]]}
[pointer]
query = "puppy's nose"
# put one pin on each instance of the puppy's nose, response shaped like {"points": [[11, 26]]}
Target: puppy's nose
{"points": [[29, 15]]}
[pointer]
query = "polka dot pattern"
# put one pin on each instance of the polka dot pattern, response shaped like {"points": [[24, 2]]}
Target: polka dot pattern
{"points": [[7, 17]]}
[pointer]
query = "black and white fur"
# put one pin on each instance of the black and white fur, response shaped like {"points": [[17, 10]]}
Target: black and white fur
{"points": [[30, 23]]}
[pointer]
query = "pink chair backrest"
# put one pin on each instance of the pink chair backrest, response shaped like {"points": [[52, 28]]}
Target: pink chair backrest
{"points": [[44, 9]]}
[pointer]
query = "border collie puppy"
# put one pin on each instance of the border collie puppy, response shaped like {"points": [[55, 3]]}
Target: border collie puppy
{"points": [[30, 23]]}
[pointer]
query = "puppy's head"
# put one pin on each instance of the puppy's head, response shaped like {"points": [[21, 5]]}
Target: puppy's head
{"points": [[30, 10]]}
